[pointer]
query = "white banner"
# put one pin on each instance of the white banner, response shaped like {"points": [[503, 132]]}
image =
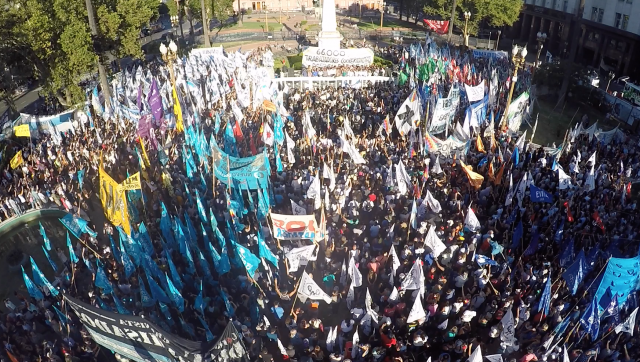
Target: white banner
{"points": [[316, 57], [476, 93], [493, 54], [291, 227], [444, 111], [308, 289], [516, 111], [297, 209], [300, 256]]}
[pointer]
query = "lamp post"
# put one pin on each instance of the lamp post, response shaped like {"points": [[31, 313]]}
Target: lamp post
{"points": [[611, 75], [467, 16], [498, 41], [360, 9], [518, 57], [169, 56], [541, 37], [382, 4]]}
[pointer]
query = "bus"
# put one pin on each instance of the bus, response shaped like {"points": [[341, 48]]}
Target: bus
{"points": [[631, 93]]}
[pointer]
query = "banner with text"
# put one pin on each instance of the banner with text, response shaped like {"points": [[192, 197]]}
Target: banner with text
{"points": [[246, 172], [289, 227], [439, 26], [317, 57], [114, 201]]}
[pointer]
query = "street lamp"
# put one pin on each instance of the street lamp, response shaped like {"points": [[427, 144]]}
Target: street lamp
{"points": [[381, 4], [169, 56], [467, 16], [498, 41], [541, 37], [518, 56], [611, 75]]}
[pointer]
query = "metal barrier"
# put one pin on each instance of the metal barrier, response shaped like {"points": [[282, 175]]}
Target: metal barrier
{"points": [[320, 82]]}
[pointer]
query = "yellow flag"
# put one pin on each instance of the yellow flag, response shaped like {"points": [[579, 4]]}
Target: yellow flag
{"points": [[114, 201], [178, 111], [131, 183], [475, 179], [479, 145], [17, 160], [144, 154], [22, 130], [498, 179]]}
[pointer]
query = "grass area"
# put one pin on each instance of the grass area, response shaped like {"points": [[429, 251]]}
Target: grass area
{"points": [[233, 44], [374, 23], [552, 124], [253, 25]]}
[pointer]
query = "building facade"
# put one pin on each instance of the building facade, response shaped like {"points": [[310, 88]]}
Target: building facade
{"points": [[608, 32], [299, 5]]}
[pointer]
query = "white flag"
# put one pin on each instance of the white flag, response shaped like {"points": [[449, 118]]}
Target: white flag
{"points": [[590, 182], [331, 338], [351, 295], [394, 295], [267, 134], [347, 127], [314, 188], [281, 347], [433, 203], [508, 332], [436, 166], [354, 273], [402, 186], [297, 209], [520, 142], [309, 131], [389, 181], [367, 303], [354, 341], [266, 321], [300, 256], [417, 311], [522, 188], [565, 357], [434, 243], [592, 159], [494, 358], [629, 324], [403, 172], [308, 289], [343, 273], [471, 222], [476, 356], [395, 261], [327, 172], [291, 145], [564, 181], [510, 193], [415, 278]]}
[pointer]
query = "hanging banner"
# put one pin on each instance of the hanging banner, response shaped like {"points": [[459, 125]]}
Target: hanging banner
{"points": [[493, 54], [135, 337], [476, 93], [289, 227], [444, 111], [131, 183], [318, 57], [621, 277], [114, 201], [439, 26], [493, 87], [246, 173]]}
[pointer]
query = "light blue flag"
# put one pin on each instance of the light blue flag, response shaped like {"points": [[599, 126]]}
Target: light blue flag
{"points": [[545, 300], [575, 273], [212, 217], [263, 208], [63, 318], [103, 305], [230, 310], [591, 320], [216, 127], [221, 267], [119, 306], [72, 254], [175, 295], [206, 328], [264, 250], [187, 164], [192, 267], [188, 193], [167, 314], [144, 239], [158, 294], [567, 255], [204, 265], [80, 178], [174, 272], [180, 236], [145, 297], [278, 125], [31, 288], [230, 147], [151, 268], [130, 246], [88, 264], [126, 262], [203, 183], [115, 251], [187, 328], [203, 215], [47, 243], [77, 225], [102, 281], [199, 303], [191, 231], [53, 265], [279, 166], [414, 216], [249, 260], [165, 226]]}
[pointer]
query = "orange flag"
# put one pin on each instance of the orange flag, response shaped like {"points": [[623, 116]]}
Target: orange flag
{"points": [[11, 356], [475, 178], [492, 178], [498, 179], [479, 145], [493, 142]]}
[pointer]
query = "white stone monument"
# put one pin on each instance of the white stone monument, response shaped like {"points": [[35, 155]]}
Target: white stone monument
{"points": [[329, 37]]}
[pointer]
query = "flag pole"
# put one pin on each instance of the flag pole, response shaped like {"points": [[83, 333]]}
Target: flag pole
{"points": [[296, 290]]}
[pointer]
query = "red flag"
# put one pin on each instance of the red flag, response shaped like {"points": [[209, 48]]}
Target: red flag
{"points": [[439, 26], [237, 131], [253, 147], [569, 215], [629, 189], [598, 221]]}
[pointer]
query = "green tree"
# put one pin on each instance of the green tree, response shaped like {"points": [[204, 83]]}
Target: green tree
{"points": [[495, 13]]}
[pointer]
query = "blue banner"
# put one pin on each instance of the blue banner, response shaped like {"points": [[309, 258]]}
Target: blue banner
{"points": [[539, 195], [247, 173], [621, 276]]}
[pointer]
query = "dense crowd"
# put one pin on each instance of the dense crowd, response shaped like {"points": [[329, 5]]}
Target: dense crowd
{"points": [[375, 243]]}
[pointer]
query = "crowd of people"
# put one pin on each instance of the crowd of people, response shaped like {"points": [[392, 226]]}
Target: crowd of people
{"points": [[385, 217]]}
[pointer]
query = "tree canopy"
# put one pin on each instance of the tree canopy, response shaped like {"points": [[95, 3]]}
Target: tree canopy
{"points": [[494, 13], [50, 40]]}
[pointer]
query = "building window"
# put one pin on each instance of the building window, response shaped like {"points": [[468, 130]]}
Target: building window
{"points": [[618, 20], [597, 14], [565, 5], [625, 22], [600, 14]]}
